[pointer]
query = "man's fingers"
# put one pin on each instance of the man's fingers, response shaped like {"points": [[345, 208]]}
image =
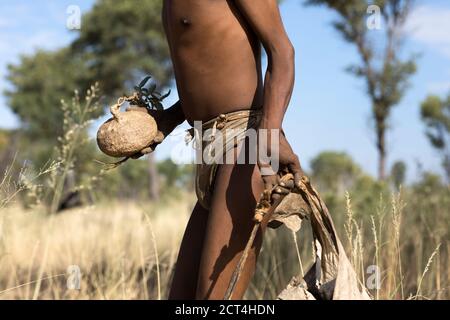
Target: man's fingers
{"points": [[296, 170], [298, 179], [275, 197], [136, 156], [144, 151], [149, 149], [279, 192], [270, 182], [159, 137]]}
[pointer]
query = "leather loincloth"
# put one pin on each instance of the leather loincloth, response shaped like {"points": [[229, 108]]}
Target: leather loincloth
{"points": [[233, 128]]}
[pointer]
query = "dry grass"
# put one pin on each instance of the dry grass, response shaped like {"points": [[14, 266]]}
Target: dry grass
{"points": [[120, 250], [128, 251]]}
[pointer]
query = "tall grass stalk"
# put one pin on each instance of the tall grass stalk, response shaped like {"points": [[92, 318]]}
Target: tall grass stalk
{"points": [[348, 227], [427, 268], [155, 248], [397, 207], [77, 117], [377, 251]]}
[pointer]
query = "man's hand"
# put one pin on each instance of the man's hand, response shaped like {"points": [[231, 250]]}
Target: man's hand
{"points": [[158, 139], [288, 163], [166, 123]]}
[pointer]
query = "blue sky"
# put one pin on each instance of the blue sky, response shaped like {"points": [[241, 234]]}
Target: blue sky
{"points": [[328, 111]]}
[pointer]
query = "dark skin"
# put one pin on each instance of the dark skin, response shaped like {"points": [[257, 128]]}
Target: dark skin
{"points": [[215, 49]]}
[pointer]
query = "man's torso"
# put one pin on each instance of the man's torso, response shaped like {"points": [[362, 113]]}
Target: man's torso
{"points": [[215, 55]]}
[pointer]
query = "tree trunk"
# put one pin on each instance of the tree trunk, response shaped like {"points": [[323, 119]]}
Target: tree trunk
{"points": [[381, 148], [8, 155], [447, 166], [153, 178]]}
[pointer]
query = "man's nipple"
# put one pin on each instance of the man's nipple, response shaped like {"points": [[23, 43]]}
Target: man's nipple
{"points": [[185, 22]]}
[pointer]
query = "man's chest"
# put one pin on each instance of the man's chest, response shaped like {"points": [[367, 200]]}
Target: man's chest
{"points": [[181, 15]]}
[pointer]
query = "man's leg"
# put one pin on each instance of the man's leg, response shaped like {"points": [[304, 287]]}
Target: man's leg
{"points": [[237, 189], [184, 281]]}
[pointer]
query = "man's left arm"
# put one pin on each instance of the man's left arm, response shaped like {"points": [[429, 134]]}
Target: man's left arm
{"points": [[265, 20]]}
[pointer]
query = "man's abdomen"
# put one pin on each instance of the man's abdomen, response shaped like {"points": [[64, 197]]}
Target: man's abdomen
{"points": [[216, 63]]}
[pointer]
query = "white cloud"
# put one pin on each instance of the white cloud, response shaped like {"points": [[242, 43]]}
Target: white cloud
{"points": [[430, 26]]}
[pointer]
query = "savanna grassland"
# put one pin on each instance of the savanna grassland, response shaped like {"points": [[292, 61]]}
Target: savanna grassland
{"points": [[127, 250], [112, 242], [71, 229]]}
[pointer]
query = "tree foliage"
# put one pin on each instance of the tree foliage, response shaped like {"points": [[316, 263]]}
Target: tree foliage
{"points": [[435, 113], [118, 43], [398, 174], [385, 73], [121, 42], [39, 83], [334, 171], [176, 175]]}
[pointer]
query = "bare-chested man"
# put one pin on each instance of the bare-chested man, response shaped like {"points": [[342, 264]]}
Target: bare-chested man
{"points": [[216, 52]]}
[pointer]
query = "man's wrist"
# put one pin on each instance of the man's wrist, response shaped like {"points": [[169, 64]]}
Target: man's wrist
{"points": [[268, 124], [175, 114], [170, 118], [270, 127]]}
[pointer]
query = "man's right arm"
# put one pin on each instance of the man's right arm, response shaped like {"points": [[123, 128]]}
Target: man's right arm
{"points": [[170, 118]]}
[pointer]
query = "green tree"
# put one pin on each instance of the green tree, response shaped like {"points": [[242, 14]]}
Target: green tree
{"points": [[398, 174], [39, 82], [334, 171], [435, 113], [384, 72], [176, 175], [119, 42]]}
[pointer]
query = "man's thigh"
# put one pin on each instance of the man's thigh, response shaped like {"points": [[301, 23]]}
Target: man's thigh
{"points": [[236, 191], [184, 283]]}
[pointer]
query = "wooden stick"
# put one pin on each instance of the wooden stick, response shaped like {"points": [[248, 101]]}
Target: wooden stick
{"points": [[262, 212]]}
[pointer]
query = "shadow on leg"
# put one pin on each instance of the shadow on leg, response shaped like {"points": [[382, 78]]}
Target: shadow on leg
{"points": [[229, 226], [184, 281]]}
